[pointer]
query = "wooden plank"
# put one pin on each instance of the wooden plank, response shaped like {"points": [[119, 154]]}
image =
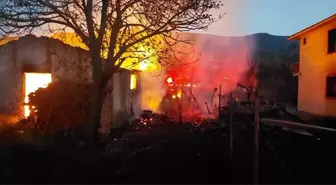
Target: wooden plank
{"points": [[296, 124]]}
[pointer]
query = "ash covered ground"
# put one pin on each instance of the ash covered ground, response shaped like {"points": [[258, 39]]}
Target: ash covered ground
{"points": [[174, 153]]}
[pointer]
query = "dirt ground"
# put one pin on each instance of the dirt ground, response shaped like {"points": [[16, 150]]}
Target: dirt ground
{"points": [[173, 154]]}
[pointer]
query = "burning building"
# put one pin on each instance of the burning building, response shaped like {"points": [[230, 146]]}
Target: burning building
{"points": [[31, 62]]}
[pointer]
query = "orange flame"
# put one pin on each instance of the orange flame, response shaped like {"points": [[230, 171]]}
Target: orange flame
{"points": [[33, 81], [179, 93]]}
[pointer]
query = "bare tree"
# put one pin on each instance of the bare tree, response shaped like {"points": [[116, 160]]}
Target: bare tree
{"points": [[113, 30]]}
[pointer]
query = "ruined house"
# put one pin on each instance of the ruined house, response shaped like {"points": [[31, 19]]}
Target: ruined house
{"points": [[29, 62]]}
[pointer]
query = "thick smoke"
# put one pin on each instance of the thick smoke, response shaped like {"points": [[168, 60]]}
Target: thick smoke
{"points": [[220, 60], [215, 61], [223, 62], [151, 91]]}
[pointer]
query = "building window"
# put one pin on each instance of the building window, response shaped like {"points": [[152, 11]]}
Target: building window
{"points": [[304, 41], [133, 82], [332, 41], [331, 86]]}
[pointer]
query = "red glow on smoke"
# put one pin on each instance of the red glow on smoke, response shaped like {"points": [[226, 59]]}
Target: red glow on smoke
{"points": [[220, 64]]}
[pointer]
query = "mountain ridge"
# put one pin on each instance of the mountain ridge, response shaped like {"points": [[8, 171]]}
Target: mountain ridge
{"points": [[256, 44]]}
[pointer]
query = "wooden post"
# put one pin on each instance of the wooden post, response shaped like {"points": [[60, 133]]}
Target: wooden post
{"points": [[212, 97], [256, 137], [219, 102], [207, 107], [191, 83], [231, 126], [195, 100], [180, 102]]}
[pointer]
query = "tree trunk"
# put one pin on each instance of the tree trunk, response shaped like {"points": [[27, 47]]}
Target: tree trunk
{"points": [[95, 110]]}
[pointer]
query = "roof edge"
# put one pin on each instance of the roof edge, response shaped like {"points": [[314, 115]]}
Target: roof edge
{"points": [[53, 40], [324, 21]]}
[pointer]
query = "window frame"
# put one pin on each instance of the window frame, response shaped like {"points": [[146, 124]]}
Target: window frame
{"points": [[328, 45], [304, 41], [327, 95]]}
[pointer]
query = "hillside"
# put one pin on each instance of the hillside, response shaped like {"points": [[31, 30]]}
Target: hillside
{"points": [[272, 43], [256, 44]]}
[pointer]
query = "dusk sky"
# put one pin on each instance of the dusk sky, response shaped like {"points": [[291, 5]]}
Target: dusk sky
{"points": [[276, 17]]}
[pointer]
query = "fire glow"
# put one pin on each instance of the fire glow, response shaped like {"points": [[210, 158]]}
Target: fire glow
{"points": [[33, 81], [133, 82], [219, 65], [146, 53], [179, 93], [169, 80]]}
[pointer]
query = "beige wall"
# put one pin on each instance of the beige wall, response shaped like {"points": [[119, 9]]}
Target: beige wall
{"points": [[315, 65]]}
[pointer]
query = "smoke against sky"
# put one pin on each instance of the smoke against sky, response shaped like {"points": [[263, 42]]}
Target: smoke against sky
{"points": [[151, 91], [223, 62], [285, 17], [233, 23], [245, 17]]}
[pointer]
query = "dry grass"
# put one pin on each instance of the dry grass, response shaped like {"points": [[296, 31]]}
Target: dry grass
{"points": [[8, 120], [12, 131]]}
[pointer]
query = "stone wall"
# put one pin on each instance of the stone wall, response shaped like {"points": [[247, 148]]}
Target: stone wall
{"points": [[16, 57], [43, 54], [119, 98]]}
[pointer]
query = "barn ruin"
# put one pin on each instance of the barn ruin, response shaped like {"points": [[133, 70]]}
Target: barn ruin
{"points": [[30, 62]]}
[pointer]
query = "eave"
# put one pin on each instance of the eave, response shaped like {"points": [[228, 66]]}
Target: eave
{"points": [[300, 33]]}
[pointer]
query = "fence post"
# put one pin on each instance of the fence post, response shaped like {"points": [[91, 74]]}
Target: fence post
{"points": [[219, 102], [231, 125], [256, 137]]}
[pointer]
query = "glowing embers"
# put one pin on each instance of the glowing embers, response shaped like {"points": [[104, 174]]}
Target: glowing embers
{"points": [[169, 80], [32, 82], [133, 81], [179, 93]]}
